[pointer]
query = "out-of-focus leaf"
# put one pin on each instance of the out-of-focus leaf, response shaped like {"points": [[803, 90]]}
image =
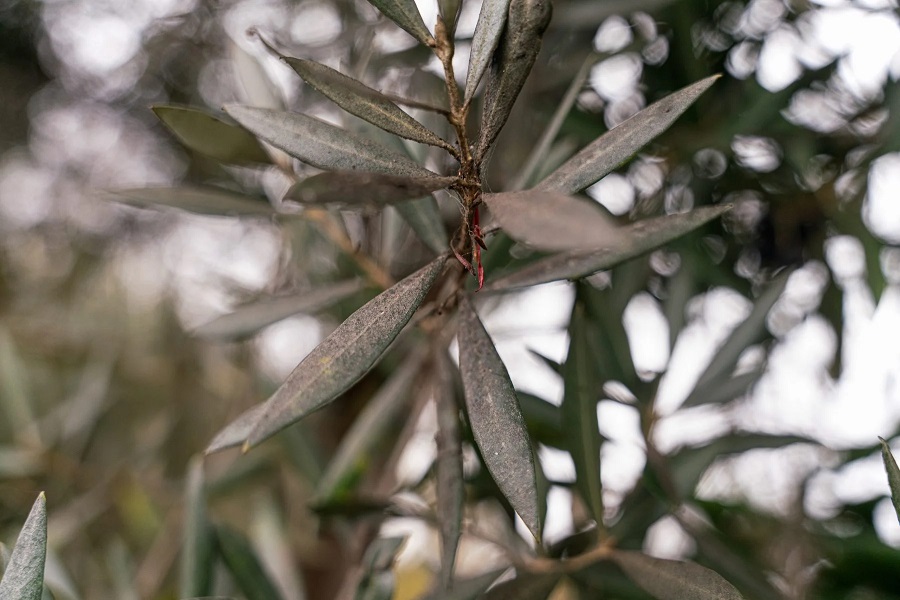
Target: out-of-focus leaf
{"points": [[354, 188], [543, 419], [323, 145], [635, 239], [382, 411], [524, 587], [335, 364], [244, 565], [673, 579], [448, 466], [364, 102], [15, 398], [377, 581], [200, 200], [248, 319], [4, 558], [406, 14], [619, 144], [488, 30], [197, 540], [24, 575], [893, 475], [512, 62], [553, 222], [495, 418], [724, 391], [579, 412], [424, 217], [607, 338], [747, 333], [204, 133], [467, 589]]}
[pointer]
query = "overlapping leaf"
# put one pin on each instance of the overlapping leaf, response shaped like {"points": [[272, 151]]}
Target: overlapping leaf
{"points": [[364, 102], [250, 318], [635, 239], [406, 14], [244, 565], [198, 539], [619, 144], [204, 133], [488, 30], [24, 575], [893, 475], [495, 418], [199, 200], [552, 221], [673, 579], [335, 364], [323, 145], [423, 215], [448, 467], [355, 188]]}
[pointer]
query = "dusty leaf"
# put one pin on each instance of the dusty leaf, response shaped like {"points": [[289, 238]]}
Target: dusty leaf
{"points": [[619, 144], [364, 102], [488, 29], [449, 466], [423, 215], [495, 418], [24, 575], [355, 188], [248, 319], [551, 221], [199, 200], [673, 579], [197, 548], [406, 14], [893, 475], [323, 145], [635, 239], [208, 135]]}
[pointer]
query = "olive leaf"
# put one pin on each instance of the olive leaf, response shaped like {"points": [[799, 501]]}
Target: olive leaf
{"points": [[635, 239], [365, 102], [448, 466], [248, 319], [24, 575], [495, 418], [355, 188], [322, 145], [620, 143], [198, 541], [449, 12], [673, 579], [244, 565], [199, 200], [336, 364], [488, 30], [208, 135], [552, 221], [893, 475], [406, 14], [513, 59], [423, 215]]}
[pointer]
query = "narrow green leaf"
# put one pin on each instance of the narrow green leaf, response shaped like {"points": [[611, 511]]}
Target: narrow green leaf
{"points": [[528, 586], [512, 62], [636, 239], [449, 12], [204, 133], [364, 102], [248, 319], [423, 215], [197, 556], [382, 411], [244, 565], [724, 391], [495, 418], [210, 201], [337, 363], [355, 189], [893, 475], [24, 575], [323, 145], [673, 579], [449, 466], [543, 419], [467, 589], [619, 144], [406, 14], [579, 412], [488, 29], [553, 222]]}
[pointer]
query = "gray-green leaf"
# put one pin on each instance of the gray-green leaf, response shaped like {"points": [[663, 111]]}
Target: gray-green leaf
{"points": [[197, 556], [488, 30], [364, 102], [406, 14], [552, 221], [199, 200], [24, 575], [423, 215], [449, 466], [673, 579], [323, 145], [619, 144], [495, 418], [635, 239], [204, 133], [355, 188], [250, 318], [338, 362], [893, 475], [244, 565]]}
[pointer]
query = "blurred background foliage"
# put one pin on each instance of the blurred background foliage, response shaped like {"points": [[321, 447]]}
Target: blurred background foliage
{"points": [[105, 396]]}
